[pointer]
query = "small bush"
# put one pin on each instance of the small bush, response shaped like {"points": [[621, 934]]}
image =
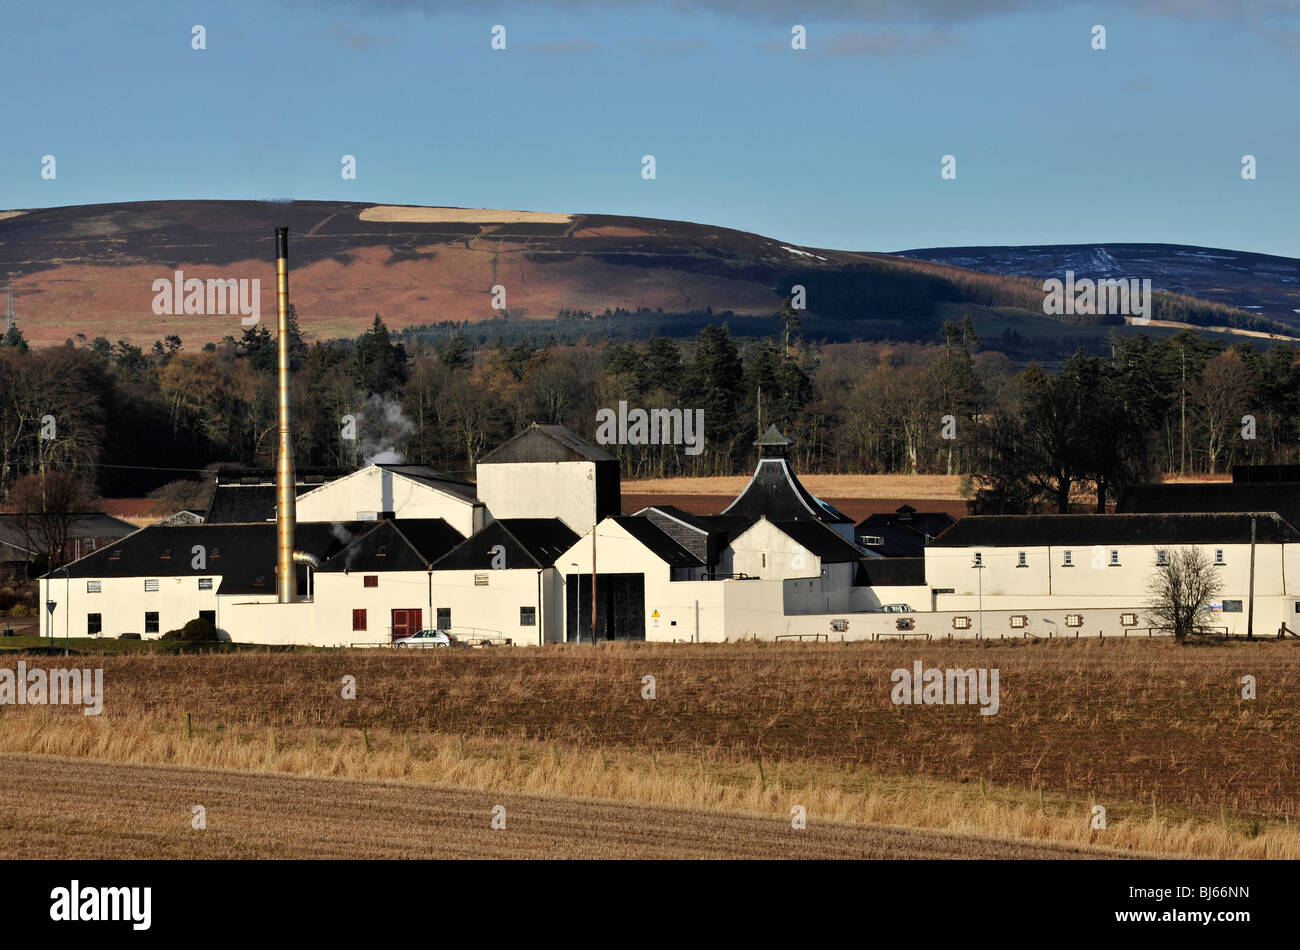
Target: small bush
{"points": [[197, 630], [129, 636]]}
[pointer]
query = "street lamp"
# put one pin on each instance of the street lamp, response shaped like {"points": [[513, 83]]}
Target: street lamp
{"points": [[67, 605], [979, 567]]}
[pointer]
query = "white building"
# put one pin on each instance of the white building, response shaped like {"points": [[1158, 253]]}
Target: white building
{"points": [[400, 548]]}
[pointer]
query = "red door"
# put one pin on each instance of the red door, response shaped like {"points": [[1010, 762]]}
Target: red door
{"points": [[406, 622]]}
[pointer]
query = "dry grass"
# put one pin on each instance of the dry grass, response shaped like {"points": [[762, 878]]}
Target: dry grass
{"points": [[1128, 725]]}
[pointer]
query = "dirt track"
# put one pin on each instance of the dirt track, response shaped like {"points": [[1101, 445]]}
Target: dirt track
{"points": [[79, 809]]}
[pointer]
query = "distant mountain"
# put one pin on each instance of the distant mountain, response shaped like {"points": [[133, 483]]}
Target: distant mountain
{"points": [[1259, 283], [90, 271]]}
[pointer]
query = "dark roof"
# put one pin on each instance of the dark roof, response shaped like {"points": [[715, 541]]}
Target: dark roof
{"points": [[1281, 472], [1039, 530], [1282, 497], [726, 525], [891, 572], [776, 493], [235, 503], [546, 444], [431, 537], [903, 533], [243, 555], [657, 541], [381, 548], [773, 437], [451, 484], [92, 524], [528, 543], [819, 540]]}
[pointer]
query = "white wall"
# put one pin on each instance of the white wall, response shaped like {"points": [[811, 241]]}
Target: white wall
{"points": [[766, 552], [374, 490], [565, 490], [123, 602]]}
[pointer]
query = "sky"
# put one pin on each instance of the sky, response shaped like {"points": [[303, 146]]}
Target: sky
{"points": [[838, 145]]}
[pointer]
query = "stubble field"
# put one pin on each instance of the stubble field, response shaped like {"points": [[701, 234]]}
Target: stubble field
{"points": [[1157, 735]]}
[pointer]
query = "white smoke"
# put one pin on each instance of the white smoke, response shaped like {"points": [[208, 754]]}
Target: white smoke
{"points": [[383, 427]]}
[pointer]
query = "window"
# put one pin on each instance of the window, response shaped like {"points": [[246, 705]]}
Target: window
{"points": [[979, 559], [527, 616], [1114, 557], [382, 551], [1218, 555], [1128, 620], [1162, 557], [115, 554], [167, 554], [94, 587], [444, 618], [359, 619], [810, 587], [216, 552], [1019, 620], [1068, 559], [764, 564], [151, 621], [94, 624], [480, 580], [151, 584], [370, 580], [961, 623], [873, 540], [367, 516], [205, 583], [945, 590], [839, 626], [1020, 559], [905, 623], [1232, 606], [1074, 620]]}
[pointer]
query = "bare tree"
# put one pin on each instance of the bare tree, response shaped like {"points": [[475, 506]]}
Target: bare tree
{"points": [[48, 506], [1181, 590]]}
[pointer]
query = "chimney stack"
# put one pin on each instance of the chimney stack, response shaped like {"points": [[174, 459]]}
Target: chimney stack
{"points": [[286, 498]]}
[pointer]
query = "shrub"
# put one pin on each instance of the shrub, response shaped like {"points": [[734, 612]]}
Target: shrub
{"points": [[129, 636], [197, 630]]}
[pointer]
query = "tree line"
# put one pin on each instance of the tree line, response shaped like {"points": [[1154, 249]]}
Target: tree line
{"points": [[130, 420]]}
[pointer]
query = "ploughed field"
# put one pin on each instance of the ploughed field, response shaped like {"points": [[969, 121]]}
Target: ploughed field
{"points": [[68, 808], [1156, 734]]}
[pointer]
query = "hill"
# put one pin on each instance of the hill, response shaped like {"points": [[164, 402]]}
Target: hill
{"points": [[90, 270]]}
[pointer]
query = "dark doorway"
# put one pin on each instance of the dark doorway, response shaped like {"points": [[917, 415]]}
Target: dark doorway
{"points": [[620, 607]]}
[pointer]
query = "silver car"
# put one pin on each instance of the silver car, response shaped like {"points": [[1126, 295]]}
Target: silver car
{"points": [[428, 638]]}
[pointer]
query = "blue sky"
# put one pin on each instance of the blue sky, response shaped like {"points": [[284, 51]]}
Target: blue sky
{"points": [[838, 145]]}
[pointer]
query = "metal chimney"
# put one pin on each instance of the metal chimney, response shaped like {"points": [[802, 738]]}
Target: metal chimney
{"points": [[286, 499]]}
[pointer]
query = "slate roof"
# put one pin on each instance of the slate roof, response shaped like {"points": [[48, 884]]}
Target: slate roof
{"points": [[1282, 497], [904, 532], [705, 536], [381, 547], [528, 543], [1040, 530], [776, 492], [234, 503], [548, 443], [818, 539], [657, 541], [890, 572], [242, 555], [92, 524]]}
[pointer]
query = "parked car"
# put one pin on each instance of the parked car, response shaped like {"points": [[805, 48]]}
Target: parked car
{"points": [[896, 609], [428, 638]]}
